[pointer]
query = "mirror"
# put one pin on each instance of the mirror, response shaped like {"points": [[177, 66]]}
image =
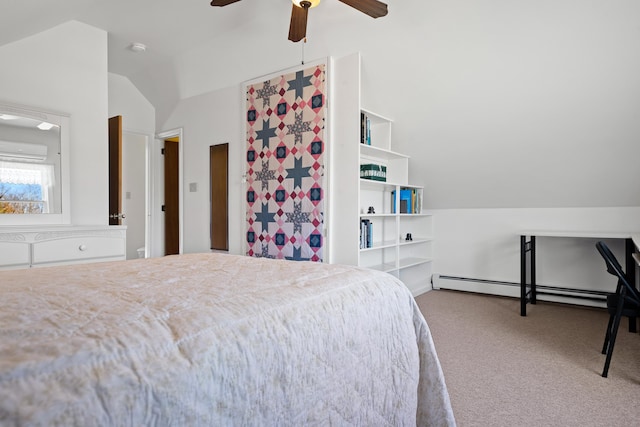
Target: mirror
{"points": [[31, 166]]}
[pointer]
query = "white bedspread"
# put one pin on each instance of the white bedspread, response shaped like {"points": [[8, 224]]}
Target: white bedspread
{"points": [[220, 340]]}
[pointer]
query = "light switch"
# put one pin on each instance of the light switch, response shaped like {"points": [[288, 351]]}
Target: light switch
{"points": [[193, 187], [127, 195]]}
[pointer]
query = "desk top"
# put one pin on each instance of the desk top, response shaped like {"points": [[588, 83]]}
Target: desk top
{"points": [[585, 234], [634, 236]]}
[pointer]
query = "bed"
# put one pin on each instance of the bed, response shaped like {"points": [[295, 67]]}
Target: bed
{"points": [[215, 339]]}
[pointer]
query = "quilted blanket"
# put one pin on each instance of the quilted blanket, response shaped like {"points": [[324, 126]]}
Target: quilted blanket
{"points": [[213, 339]]}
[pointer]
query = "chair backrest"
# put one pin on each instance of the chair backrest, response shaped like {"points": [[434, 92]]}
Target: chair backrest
{"points": [[614, 268]]}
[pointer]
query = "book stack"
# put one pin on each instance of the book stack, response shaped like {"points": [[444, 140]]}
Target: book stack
{"points": [[365, 129], [410, 201], [366, 233]]}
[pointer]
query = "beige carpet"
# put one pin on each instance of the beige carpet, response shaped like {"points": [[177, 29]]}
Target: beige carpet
{"points": [[541, 370]]}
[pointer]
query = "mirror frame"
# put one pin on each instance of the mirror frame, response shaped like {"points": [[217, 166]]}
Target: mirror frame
{"points": [[64, 121]]}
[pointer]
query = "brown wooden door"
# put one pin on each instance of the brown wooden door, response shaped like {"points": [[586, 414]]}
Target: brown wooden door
{"points": [[171, 197], [115, 170], [218, 179]]}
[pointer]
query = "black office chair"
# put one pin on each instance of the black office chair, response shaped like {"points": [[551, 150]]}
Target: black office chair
{"points": [[624, 302]]}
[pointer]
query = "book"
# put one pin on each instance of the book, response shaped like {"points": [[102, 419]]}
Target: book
{"points": [[368, 131], [366, 233], [365, 129], [410, 201]]}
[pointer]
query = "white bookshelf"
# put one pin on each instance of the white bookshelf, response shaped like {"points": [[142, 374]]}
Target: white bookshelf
{"points": [[351, 196]]}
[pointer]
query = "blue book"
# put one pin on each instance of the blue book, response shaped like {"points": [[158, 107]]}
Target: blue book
{"points": [[406, 201]]}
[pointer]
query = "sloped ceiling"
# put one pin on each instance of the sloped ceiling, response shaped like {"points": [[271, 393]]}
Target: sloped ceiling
{"points": [[171, 29]]}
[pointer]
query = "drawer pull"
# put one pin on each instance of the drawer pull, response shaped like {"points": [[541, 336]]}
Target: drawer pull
{"points": [[82, 247]]}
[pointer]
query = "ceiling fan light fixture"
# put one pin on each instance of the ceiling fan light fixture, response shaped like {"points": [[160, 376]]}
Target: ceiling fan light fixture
{"points": [[313, 3], [300, 12], [45, 126]]}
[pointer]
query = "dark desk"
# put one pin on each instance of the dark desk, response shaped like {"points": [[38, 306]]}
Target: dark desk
{"points": [[529, 289]]}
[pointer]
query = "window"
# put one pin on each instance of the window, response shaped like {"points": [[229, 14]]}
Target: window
{"points": [[25, 187]]}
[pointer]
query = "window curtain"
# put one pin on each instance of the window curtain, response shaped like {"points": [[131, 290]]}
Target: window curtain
{"points": [[285, 134]]}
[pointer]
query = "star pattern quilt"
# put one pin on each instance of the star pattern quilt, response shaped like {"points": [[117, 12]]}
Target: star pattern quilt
{"points": [[285, 165]]}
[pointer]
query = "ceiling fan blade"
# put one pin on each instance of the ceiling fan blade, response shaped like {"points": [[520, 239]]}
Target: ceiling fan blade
{"points": [[298, 26], [222, 2], [373, 8]]}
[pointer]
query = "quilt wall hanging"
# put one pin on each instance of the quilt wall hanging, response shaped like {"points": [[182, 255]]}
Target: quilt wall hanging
{"points": [[285, 135]]}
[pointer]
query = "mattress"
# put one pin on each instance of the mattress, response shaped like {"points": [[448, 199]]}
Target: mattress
{"points": [[215, 339]]}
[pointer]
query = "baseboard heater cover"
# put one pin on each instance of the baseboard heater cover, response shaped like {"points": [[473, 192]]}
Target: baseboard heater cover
{"points": [[512, 289]]}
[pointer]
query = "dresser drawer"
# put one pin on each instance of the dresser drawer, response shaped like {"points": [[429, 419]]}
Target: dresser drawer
{"points": [[14, 254], [77, 249]]}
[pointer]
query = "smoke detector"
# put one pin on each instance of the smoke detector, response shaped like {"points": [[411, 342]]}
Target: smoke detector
{"points": [[137, 47]]}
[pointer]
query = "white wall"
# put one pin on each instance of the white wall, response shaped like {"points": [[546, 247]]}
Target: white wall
{"points": [[526, 104], [485, 244], [500, 104], [64, 70], [210, 119], [138, 114]]}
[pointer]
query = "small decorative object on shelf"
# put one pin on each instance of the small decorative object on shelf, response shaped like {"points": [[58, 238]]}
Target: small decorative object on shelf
{"points": [[371, 210], [409, 238]]}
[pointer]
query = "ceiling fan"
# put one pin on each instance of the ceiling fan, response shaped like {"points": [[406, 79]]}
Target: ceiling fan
{"points": [[298, 26]]}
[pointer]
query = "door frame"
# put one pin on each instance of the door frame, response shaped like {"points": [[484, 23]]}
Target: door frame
{"points": [[160, 137]]}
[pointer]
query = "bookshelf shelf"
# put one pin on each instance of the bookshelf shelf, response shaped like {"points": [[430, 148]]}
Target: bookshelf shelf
{"points": [[387, 268], [380, 153], [380, 245], [410, 262]]}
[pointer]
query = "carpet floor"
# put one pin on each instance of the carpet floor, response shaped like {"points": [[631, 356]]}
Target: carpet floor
{"points": [[544, 369]]}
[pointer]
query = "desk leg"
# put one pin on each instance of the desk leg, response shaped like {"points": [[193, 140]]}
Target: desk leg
{"points": [[523, 275], [532, 272], [630, 271], [529, 247]]}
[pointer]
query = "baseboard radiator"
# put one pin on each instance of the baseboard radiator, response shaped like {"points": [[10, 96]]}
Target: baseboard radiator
{"points": [[512, 289]]}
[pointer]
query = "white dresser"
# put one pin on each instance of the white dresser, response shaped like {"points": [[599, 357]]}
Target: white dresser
{"points": [[39, 246]]}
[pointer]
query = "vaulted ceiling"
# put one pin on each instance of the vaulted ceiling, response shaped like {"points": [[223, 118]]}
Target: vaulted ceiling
{"points": [[183, 34]]}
